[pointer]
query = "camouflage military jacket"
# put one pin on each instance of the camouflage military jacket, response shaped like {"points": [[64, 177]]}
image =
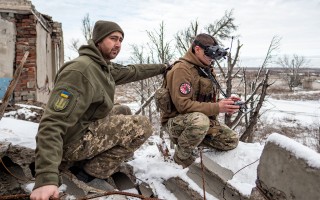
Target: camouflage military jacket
{"points": [[189, 91], [83, 93]]}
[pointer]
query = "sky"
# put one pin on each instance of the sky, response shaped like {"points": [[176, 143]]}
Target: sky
{"points": [[155, 170], [297, 22]]}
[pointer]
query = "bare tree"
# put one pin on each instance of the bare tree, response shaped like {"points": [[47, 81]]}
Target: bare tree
{"points": [[139, 86], [159, 45], [228, 74], [221, 29], [87, 29], [258, 91], [184, 38], [292, 67], [74, 45], [159, 51]]}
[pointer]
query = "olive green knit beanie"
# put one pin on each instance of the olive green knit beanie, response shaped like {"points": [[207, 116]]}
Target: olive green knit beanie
{"points": [[103, 28]]}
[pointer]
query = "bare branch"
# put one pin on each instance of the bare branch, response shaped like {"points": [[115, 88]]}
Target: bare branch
{"points": [[223, 28], [247, 135], [158, 43], [184, 38], [87, 27], [74, 45]]}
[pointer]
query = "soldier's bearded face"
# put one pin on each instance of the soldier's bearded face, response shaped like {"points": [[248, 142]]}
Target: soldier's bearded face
{"points": [[110, 46]]}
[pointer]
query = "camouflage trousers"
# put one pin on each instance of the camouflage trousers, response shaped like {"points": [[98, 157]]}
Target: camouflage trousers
{"points": [[190, 130], [109, 142]]}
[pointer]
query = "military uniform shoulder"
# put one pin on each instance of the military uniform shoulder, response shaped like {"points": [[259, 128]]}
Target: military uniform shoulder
{"points": [[181, 63], [79, 64], [117, 65]]}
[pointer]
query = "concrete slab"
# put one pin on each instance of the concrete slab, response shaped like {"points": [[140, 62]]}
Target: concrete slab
{"points": [[214, 185], [224, 173], [72, 188], [145, 190], [123, 182], [181, 190], [289, 170]]}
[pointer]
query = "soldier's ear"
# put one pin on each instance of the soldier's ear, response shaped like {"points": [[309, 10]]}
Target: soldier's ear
{"points": [[197, 50]]}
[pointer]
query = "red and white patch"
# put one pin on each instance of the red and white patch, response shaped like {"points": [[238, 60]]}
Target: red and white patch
{"points": [[185, 88]]}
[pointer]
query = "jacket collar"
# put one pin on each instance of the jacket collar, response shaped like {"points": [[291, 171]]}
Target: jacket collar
{"points": [[192, 58], [94, 53]]}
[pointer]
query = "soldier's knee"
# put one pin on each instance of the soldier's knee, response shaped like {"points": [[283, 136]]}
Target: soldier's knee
{"points": [[199, 121], [232, 141], [120, 109], [144, 124]]}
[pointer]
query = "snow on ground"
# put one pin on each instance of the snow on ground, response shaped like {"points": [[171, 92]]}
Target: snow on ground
{"points": [[243, 162], [148, 163], [150, 166], [18, 132], [305, 112]]}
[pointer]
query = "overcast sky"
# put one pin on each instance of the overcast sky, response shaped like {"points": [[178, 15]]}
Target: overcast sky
{"points": [[297, 22]]}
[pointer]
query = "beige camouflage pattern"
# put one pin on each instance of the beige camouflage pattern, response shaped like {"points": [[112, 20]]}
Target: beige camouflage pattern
{"points": [[187, 131], [220, 137], [190, 130], [110, 142]]}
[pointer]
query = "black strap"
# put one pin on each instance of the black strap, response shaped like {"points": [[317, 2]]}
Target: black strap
{"points": [[208, 74], [211, 77]]}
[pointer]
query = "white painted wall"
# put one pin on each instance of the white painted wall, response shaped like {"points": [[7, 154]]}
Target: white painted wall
{"points": [[44, 64], [7, 48]]}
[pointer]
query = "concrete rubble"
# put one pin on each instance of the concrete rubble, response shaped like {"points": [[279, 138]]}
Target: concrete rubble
{"points": [[280, 175]]}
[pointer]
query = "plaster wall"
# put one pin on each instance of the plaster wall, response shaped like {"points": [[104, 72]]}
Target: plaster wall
{"points": [[7, 53], [44, 64]]}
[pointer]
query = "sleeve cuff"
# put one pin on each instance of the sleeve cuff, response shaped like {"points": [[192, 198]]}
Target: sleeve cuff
{"points": [[46, 179], [164, 67], [215, 108]]}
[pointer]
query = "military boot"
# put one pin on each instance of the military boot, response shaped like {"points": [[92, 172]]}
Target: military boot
{"points": [[183, 156], [183, 162]]}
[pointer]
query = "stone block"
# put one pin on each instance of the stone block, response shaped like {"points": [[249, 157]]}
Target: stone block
{"points": [[288, 170], [224, 173]]}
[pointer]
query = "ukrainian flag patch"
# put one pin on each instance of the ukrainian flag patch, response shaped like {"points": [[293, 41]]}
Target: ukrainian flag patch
{"points": [[62, 100], [65, 94]]}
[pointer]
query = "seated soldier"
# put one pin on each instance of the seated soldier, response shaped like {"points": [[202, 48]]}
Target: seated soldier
{"points": [[195, 97], [83, 94]]}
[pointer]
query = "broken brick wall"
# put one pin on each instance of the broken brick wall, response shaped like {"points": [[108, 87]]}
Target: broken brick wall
{"points": [[42, 37], [26, 41]]}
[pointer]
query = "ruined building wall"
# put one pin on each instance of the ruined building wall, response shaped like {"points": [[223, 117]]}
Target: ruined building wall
{"points": [[30, 31], [7, 52]]}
